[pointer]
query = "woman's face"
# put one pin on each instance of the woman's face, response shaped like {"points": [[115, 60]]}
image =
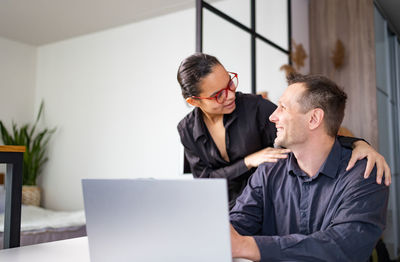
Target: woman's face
{"points": [[214, 82]]}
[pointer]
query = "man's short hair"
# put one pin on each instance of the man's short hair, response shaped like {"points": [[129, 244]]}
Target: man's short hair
{"points": [[323, 93]]}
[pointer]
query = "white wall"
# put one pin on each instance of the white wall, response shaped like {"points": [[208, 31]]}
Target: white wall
{"points": [[114, 97], [116, 102], [17, 83]]}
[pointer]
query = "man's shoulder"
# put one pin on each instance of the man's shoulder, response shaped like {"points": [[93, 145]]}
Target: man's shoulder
{"points": [[355, 176], [271, 171], [353, 180], [273, 167], [359, 166]]}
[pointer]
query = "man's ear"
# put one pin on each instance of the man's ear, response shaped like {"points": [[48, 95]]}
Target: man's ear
{"points": [[192, 101], [316, 118]]}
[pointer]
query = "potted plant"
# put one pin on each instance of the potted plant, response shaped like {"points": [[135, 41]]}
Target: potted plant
{"points": [[34, 157]]}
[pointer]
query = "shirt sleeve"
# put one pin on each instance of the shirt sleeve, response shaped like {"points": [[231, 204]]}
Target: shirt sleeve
{"points": [[347, 141], [351, 235], [201, 170], [247, 215], [351, 241]]}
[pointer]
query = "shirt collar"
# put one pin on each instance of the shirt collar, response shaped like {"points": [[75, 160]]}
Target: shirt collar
{"points": [[293, 167], [329, 167], [198, 126]]}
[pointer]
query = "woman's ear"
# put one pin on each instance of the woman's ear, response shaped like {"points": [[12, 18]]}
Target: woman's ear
{"points": [[192, 101]]}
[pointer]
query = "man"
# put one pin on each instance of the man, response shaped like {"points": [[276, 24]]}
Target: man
{"points": [[308, 207]]}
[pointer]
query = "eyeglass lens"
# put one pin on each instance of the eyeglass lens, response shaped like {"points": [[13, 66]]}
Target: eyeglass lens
{"points": [[232, 85]]}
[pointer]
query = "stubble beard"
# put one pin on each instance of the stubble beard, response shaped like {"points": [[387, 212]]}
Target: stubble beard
{"points": [[279, 143]]}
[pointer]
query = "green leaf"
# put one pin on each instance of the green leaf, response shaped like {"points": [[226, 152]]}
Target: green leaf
{"points": [[5, 135], [35, 142]]}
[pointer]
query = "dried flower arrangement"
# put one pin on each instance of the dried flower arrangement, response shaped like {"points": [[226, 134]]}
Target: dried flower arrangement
{"points": [[298, 57], [338, 55]]}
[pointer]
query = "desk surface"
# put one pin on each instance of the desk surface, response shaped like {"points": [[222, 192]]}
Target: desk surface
{"points": [[75, 249]]}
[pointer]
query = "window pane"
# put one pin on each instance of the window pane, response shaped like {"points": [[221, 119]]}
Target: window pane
{"points": [[269, 76], [272, 21], [237, 9], [230, 45]]}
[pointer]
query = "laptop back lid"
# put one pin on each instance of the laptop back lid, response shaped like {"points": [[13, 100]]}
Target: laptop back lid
{"points": [[157, 220]]}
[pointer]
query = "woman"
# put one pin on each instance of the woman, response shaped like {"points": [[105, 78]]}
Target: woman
{"points": [[228, 134]]}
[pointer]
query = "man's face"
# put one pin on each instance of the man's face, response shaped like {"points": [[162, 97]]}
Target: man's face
{"points": [[290, 122]]}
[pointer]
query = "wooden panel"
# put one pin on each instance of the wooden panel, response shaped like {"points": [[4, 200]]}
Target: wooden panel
{"points": [[353, 23]]}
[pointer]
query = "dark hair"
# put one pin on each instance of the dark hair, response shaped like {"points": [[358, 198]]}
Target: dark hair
{"points": [[192, 70], [323, 93]]}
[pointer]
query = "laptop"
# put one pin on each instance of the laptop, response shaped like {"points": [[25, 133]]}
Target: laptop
{"points": [[157, 220]]}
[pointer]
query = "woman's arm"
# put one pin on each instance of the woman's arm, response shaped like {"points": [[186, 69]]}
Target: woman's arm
{"points": [[200, 169]]}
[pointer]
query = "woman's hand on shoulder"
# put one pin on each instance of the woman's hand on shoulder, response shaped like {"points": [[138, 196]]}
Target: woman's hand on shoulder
{"points": [[268, 154], [362, 150]]}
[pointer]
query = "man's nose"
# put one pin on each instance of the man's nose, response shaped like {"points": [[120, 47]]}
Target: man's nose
{"points": [[273, 118]]}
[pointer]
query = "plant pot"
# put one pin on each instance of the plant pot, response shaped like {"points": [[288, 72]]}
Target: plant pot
{"points": [[31, 195]]}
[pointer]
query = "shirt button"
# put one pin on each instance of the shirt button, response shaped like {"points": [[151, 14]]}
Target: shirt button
{"points": [[303, 214]]}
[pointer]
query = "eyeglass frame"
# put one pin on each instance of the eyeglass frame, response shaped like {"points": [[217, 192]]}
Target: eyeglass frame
{"points": [[223, 89]]}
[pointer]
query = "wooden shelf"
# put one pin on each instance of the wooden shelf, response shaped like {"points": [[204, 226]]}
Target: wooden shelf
{"points": [[12, 149]]}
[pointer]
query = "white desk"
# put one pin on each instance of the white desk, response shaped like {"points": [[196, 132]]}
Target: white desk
{"points": [[75, 249]]}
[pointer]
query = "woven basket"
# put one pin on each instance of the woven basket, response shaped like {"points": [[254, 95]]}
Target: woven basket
{"points": [[31, 195]]}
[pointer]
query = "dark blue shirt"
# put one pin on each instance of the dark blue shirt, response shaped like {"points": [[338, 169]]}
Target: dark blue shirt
{"points": [[336, 215]]}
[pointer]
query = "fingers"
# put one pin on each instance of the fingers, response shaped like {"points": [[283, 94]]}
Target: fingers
{"points": [[278, 150], [278, 156], [388, 175], [272, 158], [379, 172], [368, 169], [352, 161], [272, 155], [382, 170]]}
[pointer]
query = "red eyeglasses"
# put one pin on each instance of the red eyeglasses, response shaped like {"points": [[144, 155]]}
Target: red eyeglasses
{"points": [[221, 96]]}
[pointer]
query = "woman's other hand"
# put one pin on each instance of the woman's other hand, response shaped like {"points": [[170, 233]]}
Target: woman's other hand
{"points": [[362, 150], [268, 154]]}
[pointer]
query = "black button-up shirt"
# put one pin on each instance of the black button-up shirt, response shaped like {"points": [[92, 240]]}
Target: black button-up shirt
{"points": [[336, 215], [248, 130]]}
